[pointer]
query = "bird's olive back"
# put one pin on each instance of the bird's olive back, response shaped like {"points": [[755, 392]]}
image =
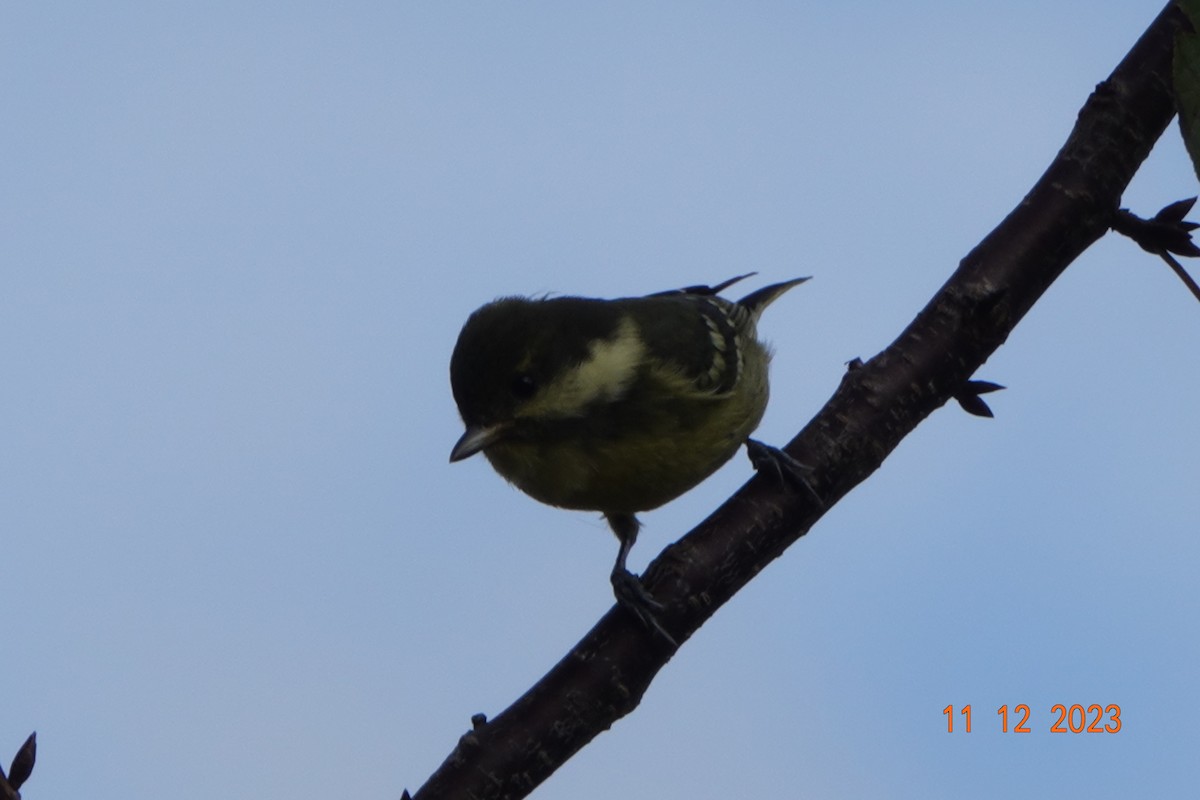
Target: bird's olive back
{"points": [[510, 348]]}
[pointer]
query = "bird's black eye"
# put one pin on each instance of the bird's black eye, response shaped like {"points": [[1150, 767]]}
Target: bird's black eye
{"points": [[523, 386]]}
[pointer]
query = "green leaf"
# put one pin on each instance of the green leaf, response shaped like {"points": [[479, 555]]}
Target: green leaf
{"points": [[1187, 81]]}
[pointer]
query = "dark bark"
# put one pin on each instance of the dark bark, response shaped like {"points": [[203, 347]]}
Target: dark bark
{"points": [[877, 404]]}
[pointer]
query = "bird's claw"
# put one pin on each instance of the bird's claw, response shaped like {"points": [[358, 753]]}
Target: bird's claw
{"points": [[786, 469], [633, 597]]}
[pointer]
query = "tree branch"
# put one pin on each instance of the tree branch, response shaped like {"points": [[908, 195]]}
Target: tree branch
{"points": [[878, 403]]}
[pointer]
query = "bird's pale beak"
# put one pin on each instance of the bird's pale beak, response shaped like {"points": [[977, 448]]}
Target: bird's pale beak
{"points": [[475, 439]]}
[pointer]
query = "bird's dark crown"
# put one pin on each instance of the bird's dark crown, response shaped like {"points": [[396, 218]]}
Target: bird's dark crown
{"points": [[510, 348]]}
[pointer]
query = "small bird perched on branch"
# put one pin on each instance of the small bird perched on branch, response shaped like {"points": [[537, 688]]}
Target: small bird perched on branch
{"points": [[616, 406]]}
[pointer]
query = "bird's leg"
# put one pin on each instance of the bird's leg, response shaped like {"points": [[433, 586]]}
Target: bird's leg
{"points": [[628, 589], [784, 467]]}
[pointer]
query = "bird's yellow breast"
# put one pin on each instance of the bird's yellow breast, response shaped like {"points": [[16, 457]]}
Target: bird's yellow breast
{"points": [[638, 453]]}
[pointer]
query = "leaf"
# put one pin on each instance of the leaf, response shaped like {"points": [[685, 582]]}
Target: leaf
{"points": [[968, 397], [1175, 212], [1166, 232], [22, 763]]}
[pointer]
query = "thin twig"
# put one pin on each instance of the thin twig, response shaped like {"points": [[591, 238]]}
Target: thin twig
{"points": [[1181, 272]]}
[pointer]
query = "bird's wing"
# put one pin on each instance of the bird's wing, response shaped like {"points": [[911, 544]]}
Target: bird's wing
{"points": [[695, 341]]}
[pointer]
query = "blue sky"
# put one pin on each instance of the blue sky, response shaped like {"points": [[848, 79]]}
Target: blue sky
{"points": [[239, 241]]}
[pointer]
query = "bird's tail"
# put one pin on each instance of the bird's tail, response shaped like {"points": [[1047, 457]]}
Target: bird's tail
{"points": [[758, 300]]}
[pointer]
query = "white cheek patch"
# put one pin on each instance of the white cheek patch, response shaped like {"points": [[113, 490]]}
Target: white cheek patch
{"points": [[603, 377]]}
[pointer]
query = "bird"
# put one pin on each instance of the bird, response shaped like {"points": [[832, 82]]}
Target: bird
{"points": [[614, 405]]}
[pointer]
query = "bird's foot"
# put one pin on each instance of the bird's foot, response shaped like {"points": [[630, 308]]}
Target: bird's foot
{"points": [[786, 469], [633, 597]]}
